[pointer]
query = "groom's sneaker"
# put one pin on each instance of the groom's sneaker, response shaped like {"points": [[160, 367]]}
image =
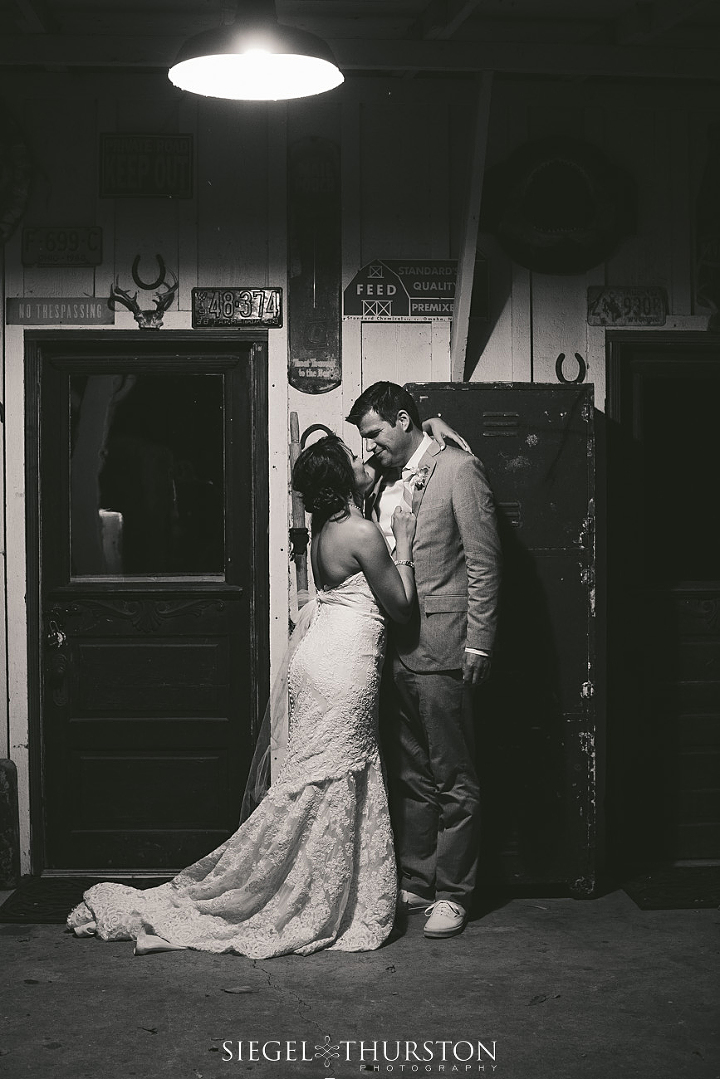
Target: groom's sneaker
{"points": [[410, 903], [445, 919]]}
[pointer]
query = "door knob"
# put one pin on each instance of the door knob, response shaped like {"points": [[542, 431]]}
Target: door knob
{"points": [[55, 636]]}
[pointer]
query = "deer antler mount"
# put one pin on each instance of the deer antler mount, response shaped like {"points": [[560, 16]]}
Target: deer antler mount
{"points": [[150, 318]]}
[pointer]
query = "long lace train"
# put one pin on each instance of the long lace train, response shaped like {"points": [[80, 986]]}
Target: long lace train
{"points": [[313, 866]]}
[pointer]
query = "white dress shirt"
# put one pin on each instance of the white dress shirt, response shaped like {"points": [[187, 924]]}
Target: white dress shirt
{"points": [[395, 493]]}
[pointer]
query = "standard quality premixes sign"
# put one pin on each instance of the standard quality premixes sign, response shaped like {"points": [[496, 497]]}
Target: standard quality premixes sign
{"points": [[421, 289]]}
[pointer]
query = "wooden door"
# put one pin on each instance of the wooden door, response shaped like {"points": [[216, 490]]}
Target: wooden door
{"points": [[147, 592], [664, 598], [536, 724]]}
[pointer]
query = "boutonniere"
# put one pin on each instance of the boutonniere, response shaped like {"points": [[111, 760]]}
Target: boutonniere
{"points": [[420, 478]]}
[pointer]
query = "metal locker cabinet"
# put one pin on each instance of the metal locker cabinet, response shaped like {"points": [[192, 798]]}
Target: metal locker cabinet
{"points": [[536, 717]]}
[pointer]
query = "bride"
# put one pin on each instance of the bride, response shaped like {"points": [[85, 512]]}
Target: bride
{"points": [[313, 866]]}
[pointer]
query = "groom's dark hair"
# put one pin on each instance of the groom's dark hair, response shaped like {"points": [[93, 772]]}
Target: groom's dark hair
{"points": [[387, 399]]}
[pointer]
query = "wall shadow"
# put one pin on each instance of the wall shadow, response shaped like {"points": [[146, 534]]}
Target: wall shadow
{"points": [[521, 749]]}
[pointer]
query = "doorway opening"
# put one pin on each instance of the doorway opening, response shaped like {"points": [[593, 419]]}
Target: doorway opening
{"points": [[663, 600]]}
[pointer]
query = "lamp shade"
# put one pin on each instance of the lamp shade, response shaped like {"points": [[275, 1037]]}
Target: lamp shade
{"points": [[257, 61]]}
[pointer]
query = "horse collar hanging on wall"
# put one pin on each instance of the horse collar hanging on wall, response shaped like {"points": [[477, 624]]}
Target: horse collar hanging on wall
{"points": [[558, 205]]}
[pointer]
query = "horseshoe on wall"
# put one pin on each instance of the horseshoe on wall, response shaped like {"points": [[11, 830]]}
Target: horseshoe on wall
{"points": [[582, 369], [148, 284]]}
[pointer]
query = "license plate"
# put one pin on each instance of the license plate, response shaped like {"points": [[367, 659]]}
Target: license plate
{"points": [[633, 305], [62, 246], [216, 306]]}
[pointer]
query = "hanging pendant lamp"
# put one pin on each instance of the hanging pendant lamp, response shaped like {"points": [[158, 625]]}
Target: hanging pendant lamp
{"points": [[256, 58]]}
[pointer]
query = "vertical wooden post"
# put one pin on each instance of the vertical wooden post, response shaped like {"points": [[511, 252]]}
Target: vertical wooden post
{"points": [[466, 263]]}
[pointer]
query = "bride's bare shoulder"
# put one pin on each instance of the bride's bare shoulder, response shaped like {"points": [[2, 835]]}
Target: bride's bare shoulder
{"points": [[364, 532]]}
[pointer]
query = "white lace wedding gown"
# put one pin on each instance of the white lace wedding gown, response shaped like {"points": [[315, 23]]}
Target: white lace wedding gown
{"points": [[313, 867]]}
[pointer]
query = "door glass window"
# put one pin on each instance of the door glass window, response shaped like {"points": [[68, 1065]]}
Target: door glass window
{"points": [[146, 474]]}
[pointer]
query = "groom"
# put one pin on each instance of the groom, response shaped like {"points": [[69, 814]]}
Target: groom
{"points": [[434, 661]]}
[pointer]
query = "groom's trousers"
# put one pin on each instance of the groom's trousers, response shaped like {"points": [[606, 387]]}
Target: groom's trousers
{"points": [[429, 746]]}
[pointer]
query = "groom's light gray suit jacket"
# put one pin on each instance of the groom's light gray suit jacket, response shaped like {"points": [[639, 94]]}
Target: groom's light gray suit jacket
{"points": [[457, 563]]}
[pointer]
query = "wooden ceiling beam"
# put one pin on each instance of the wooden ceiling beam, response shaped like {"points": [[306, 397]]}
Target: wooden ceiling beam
{"points": [[354, 54], [442, 18], [36, 16], [647, 20], [439, 21], [584, 59]]}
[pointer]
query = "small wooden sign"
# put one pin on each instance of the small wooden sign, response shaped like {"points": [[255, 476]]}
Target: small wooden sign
{"points": [[146, 166], [628, 305], [220, 306], [58, 311], [62, 245]]}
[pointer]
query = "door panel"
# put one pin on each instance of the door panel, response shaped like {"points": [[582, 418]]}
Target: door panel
{"points": [[536, 715], [151, 573], [664, 598]]}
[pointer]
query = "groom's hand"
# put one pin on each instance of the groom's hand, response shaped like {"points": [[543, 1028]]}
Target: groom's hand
{"points": [[475, 669]]}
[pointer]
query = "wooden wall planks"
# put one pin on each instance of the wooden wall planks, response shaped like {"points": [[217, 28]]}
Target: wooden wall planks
{"points": [[405, 157]]}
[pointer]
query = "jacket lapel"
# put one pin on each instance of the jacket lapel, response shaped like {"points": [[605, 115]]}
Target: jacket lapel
{"points": [[427, 461]]}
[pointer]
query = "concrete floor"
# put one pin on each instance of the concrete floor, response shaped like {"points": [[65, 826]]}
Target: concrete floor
{"points": [[555, 988]]}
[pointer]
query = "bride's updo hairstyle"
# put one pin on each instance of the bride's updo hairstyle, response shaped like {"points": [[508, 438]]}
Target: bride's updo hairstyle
{"points": [[324, 478]]}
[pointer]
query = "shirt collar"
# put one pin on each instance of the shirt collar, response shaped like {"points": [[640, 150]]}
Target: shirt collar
{"points": [[420, 452]]}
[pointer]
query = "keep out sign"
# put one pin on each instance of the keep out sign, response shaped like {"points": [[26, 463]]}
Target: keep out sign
{"points": [[149, 166]]}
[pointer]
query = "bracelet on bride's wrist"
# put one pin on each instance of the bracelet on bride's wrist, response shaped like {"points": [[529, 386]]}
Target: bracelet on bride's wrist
{"points": [[405, 562]]}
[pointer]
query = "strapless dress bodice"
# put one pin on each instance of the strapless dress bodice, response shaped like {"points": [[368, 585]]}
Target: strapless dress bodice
{"points": [[353, 592]]}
